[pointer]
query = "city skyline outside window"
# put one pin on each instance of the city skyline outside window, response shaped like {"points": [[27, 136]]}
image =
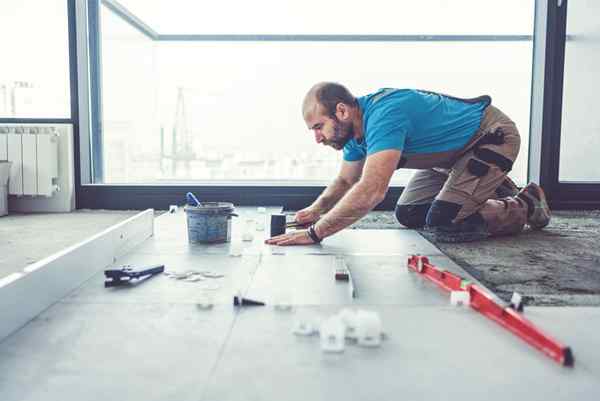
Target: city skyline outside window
{"points": [[231, 111]]}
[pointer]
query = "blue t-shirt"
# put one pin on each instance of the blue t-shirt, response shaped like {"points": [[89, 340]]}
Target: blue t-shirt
{"points": [[414, 122]]}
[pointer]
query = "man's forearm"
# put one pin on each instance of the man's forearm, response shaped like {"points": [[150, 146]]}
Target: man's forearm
{"points": [[331, 195], [356, 204]]}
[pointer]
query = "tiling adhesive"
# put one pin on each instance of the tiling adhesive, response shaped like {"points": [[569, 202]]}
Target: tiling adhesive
{"points": [[209, 222]]}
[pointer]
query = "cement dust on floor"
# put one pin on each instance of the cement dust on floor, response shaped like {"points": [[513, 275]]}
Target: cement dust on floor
{"points": [[559, 265], [28, 238]]}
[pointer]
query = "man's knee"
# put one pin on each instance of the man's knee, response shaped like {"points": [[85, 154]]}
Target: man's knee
{"points": [[443, 228], [412, 216], [442, 213]]}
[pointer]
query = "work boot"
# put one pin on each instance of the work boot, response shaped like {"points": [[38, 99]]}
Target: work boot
{"points": [[506, 216], [538, 212], [507, 188]]}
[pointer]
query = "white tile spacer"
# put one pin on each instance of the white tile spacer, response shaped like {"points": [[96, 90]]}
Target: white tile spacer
{"points": [[194, 278], [209, 274], [350, 319], [304, 327], [419, 264], [235, 249], [460, 298], [368, 328], [516, 302], [204, 305], [332, 335]]}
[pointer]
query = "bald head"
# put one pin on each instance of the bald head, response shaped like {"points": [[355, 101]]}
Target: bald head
{"points": [[324, 97], [332, 113]]}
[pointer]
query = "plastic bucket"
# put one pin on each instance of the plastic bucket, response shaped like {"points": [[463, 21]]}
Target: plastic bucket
{"points": [[210, 222]]}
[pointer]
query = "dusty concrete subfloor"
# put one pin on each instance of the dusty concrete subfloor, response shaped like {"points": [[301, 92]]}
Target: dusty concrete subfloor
{"points": [[559, 265]]}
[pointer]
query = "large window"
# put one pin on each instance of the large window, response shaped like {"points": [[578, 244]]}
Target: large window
{"points": [[180, 105], [34, 71], [580, 134]]}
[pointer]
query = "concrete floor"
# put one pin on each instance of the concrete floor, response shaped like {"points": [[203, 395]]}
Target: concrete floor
{"points": [[152, 342]]}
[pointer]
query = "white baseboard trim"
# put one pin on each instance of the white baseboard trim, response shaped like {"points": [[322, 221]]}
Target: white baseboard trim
{"points": [[24, 295]]}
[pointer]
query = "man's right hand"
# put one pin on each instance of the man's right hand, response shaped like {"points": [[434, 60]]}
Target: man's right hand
{"points": [[307, 216]]}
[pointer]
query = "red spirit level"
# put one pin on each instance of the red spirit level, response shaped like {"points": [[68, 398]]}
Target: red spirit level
{"points": [[503, 315]]}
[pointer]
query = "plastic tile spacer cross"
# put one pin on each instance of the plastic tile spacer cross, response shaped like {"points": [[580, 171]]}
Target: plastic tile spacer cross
{"points": [[516, 302], [332, 335], [459, 298], [304, 327], [350, 319], [420, 265], [368, 329], [235, 249]]}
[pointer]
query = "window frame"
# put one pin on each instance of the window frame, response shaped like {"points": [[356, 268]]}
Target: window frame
{"points": [[561, 195], [91, 194]]}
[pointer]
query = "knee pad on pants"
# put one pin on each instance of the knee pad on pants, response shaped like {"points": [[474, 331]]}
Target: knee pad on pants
{"points": [[442, 213], [412, 216]]}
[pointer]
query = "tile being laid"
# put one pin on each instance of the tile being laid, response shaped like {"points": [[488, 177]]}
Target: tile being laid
{"points": [[378, 242], [372, 242]]}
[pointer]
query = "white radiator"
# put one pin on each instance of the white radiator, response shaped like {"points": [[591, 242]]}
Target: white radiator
{"points": [[33, 151]]}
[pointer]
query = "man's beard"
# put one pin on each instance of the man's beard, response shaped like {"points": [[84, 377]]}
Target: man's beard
{"points": [[342, 133]]}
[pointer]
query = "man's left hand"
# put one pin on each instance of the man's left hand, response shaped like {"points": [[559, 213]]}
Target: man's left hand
{"points": [[300, 237]]}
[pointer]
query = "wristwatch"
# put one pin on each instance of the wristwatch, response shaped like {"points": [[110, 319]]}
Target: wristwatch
{"points": [[313, 235]]}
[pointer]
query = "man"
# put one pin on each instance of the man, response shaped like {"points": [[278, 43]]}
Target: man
{"points": [[463, 150]]}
